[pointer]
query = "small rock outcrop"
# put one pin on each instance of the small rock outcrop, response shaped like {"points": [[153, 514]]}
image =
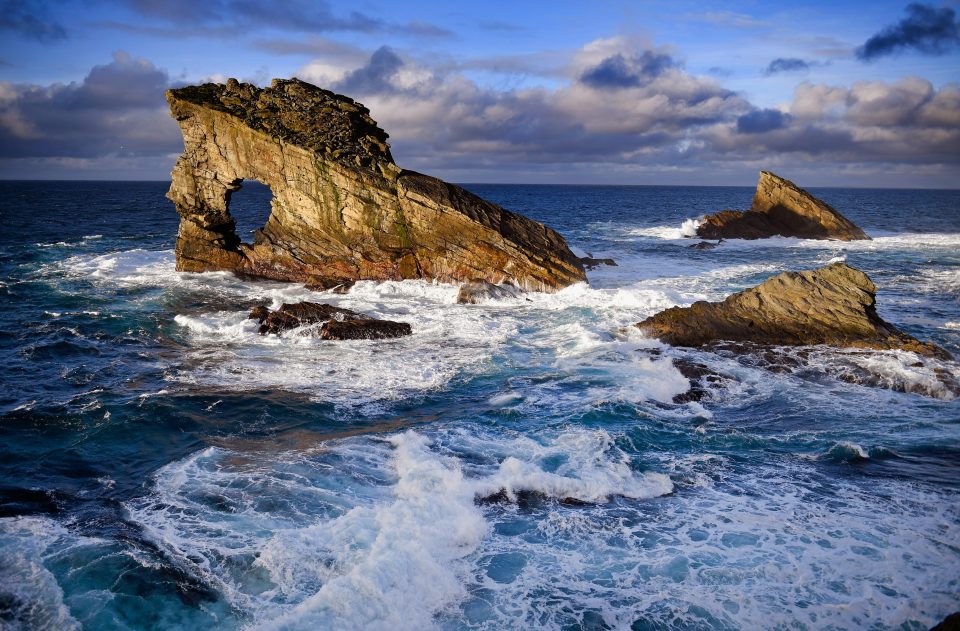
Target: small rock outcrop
{"points": [[705, 245], [834, 305], [342, 210], [336, 323], [781, 208], [477, 291], [591, 263]]}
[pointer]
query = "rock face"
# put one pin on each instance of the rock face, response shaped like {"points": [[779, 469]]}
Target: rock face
{"points": [[782, 208], [833, 305], [342, 209], [337, 323]]}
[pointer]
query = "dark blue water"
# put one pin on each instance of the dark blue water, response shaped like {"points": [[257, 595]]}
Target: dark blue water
{"points": [[165, 467]]}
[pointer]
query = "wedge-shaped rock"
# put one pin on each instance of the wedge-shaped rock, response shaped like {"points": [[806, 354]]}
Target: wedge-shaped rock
{"points": [[782, 208], [342, 209], [833, 305]]}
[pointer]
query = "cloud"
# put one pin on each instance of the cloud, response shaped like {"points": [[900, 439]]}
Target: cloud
{"points": [[439, 116], [118, 108], [926, 29], [904, 122], [651, 117], [376, 76], [762, 121], [628, 71], [648, 117], [30, 20], [728, 18], [786, 64], [225, 18]]}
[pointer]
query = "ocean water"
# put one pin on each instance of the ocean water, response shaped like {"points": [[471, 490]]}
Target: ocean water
{"points": [[515, 464]]}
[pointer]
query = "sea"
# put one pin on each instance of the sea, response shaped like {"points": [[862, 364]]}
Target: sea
{"points": [[515, 464]]}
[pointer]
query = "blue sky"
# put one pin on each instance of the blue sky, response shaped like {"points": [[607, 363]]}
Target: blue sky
{"points": [[828, 93]]}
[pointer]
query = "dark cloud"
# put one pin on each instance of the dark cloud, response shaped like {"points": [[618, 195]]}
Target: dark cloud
{"points": [[374, 77], [786, 64], [224, 18], [622, 71], [762, 121], [290, 15], [423, 29], [30, 20], [118, 108], [926, 29]]}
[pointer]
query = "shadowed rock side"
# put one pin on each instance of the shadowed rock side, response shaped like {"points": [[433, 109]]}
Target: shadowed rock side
{"points": [[833, 305], [342, 210], [782, 208]]}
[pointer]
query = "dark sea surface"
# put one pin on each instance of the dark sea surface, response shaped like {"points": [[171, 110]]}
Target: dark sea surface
{"points": [[162, 466]]}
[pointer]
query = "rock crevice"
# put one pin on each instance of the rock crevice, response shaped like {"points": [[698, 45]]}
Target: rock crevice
{"points": [[342, 209]]}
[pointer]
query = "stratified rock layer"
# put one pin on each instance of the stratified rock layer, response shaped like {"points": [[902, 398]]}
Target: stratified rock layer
{"points": [[782, 208], [833, 305], [342, 210]]}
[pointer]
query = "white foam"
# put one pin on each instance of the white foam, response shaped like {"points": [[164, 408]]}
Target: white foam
{"points": [[894, 370], [687, 229], [380, 556], [26, 585], [391, 566]]}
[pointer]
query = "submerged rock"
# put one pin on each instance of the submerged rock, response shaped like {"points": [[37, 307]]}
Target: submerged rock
{"points": [[342, 210], [338, 323], [705, 245], [591, 263], [782, 208], [477, 291], [834, 305]]}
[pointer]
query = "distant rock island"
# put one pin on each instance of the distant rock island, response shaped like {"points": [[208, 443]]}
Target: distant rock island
{"points": [[834, 305], [781, 208], [342, 209]]}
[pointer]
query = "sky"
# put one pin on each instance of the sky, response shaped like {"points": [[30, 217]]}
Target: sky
{"points": [[827, 93]]}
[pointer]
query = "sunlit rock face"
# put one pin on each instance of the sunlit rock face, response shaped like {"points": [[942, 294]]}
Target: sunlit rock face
{"points": [[342, 209], [834, 305], [782, 208]]}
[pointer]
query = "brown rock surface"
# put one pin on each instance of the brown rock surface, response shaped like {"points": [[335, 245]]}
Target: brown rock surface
{"points": [[342, 210], [833, 305], [782, 208], [338, 323]]}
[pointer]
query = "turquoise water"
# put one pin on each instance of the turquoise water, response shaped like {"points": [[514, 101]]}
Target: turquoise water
{"points": [[512, 464]]}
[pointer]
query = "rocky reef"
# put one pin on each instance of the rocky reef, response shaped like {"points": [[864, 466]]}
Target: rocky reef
{"points": [[342, 210], [834, 305], [335, 323], [782, 208]]}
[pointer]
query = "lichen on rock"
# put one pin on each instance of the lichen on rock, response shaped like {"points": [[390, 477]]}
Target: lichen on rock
{"points": [[781, 208], [342, 209]]}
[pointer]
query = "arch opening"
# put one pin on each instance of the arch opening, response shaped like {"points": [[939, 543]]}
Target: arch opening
{"points": [[250, 205]]}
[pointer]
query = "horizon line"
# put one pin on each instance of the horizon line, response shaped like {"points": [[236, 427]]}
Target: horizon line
{"points": [[565, 184]]}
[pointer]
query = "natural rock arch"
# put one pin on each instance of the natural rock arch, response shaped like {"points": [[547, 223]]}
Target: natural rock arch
{"points": [[342, 209]]}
